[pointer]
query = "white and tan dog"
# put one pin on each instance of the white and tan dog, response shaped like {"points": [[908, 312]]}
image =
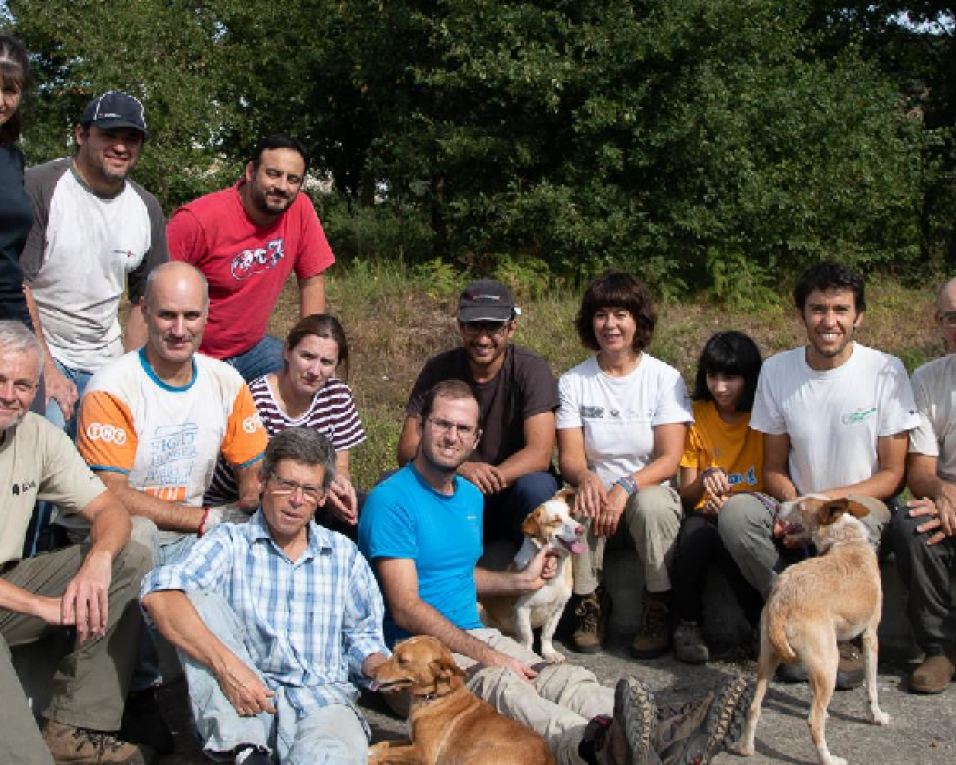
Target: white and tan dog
{"points": [[549, 525], [813, 604]]}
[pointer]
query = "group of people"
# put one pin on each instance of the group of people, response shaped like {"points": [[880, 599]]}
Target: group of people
{"points": [[209, 479]]}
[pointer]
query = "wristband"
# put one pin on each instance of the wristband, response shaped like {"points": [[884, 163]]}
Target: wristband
{"points": [[202, 523], [711, 471], [629, 484]]}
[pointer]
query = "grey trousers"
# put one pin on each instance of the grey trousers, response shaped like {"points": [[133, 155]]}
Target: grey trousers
{"points": [[650, 523], [926, 572], [90, 683], [745, 525]]}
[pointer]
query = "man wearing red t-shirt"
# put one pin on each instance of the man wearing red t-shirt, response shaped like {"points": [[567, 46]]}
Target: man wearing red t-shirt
{"points": [[247, 239]]}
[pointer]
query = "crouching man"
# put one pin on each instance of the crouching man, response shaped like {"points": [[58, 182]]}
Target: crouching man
{"points": [[275, 620], [89, 588]]}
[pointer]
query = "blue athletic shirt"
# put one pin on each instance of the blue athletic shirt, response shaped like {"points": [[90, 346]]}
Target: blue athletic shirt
{"points": [[404, 517]]}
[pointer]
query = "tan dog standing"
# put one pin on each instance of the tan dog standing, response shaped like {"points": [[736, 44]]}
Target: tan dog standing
{"points": [[448, 724], [550, 525], [813, 604]]}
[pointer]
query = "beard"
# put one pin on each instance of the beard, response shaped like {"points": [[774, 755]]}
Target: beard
{"points": [[269, 206]]}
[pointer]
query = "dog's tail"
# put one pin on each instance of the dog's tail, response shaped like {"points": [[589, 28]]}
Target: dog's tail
{"points": [[777, 634]]}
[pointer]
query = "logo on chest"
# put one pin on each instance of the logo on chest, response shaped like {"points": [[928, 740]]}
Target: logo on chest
{"points": [[257, 261]]}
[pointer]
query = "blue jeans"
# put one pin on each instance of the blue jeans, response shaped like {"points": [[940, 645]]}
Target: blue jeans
{"points": [[264, 357], [331, 735], [505, 511], [54, 414]]}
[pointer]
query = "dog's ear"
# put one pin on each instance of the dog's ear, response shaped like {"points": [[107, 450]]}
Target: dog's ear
{"points": [[448, 675], [531, 526], [857, 509], [569, 496], [829, 512]]}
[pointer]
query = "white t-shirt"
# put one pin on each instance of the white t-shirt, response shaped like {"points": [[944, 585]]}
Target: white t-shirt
{"points": [[834, 417], [934, 388], [619, 414]]}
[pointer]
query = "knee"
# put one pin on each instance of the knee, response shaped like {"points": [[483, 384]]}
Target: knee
{"points": [[906, 540], [740, 516], [493, 682], [559, 682], [652, 507], [532, 489], [134, 562]]}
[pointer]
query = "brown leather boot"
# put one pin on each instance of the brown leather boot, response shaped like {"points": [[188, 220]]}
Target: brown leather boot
{"points": [[70, 745], [653, 636], [590, 619], [935, 673]]}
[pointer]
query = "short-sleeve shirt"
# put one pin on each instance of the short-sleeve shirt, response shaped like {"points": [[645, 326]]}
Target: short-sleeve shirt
{"points": [[835, 417], [619, 414], [735, 447], [247, 265], [82, 251], [404, 517], [523, 387], [166, 439], [38, 461], [934, 389], [332, 413]]}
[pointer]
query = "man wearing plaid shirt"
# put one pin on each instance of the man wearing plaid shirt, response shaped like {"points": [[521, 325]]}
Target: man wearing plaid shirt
{"points": [[276, 620]]}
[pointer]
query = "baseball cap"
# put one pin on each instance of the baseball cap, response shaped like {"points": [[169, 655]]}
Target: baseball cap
{"points": [[486, 300], [115, 109]]}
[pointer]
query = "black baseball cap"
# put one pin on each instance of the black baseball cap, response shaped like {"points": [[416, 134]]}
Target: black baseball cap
{"points": [[486, 300], [115, 109]]}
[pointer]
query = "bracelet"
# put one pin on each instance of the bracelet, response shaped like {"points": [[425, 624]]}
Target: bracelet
{"points": [[629, 484], [711, 471], [205, 515]]}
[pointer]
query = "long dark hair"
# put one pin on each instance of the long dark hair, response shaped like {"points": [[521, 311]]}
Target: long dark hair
{"points": [[14, 72], [729, 353]]}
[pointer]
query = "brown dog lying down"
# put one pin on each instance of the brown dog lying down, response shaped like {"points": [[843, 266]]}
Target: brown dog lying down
{"points": [[815, 603], [449, 725]]}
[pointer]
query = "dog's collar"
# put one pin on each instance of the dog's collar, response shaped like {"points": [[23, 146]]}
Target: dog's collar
{"points": [[529, 549]]}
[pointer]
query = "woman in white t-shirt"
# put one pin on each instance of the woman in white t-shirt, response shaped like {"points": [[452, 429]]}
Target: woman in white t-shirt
{"points": [[307, 393], [621, 425]]}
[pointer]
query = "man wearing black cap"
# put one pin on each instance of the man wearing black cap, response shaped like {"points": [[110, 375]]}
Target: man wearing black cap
{"points": [[94, 233], [518, 397]]}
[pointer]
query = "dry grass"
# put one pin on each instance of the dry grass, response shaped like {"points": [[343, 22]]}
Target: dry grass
{"points": [[395, 322]]}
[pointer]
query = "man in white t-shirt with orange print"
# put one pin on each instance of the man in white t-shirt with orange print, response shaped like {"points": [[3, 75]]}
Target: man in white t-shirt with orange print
{"points": [[153, 423]]}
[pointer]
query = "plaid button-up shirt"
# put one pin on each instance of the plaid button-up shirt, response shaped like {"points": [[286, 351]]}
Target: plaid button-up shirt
{"points": [[310, 623]]}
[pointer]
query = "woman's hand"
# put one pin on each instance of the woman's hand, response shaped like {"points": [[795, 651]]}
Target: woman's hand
{"points": [[715, 482], [605, 524], [591, 496]]}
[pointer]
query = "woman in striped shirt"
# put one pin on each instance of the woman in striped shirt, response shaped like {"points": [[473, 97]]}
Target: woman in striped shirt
{"points": [[306, 393]]}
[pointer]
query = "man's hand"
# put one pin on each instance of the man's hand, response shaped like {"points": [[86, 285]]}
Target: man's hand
{"points": [[486, 477], [50, 610], [59, 387], [521, 670], [543, 566], [84, 604], [245, 691], [940, 514], [605, 523], [372, 664], [342, 501], [591, 496]]}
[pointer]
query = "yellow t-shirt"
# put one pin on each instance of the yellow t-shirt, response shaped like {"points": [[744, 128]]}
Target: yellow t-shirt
{"points": [[736, 448]]}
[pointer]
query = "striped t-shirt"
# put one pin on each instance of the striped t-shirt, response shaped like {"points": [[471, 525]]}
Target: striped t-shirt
{"points": [[332, 412]]}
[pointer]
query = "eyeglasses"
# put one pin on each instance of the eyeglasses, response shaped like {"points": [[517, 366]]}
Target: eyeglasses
{"points": [[465, 432], [490, 328], [947, 318], [284, 487]]}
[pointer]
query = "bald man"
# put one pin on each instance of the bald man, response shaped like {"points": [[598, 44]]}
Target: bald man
{"points": [[924, 537], [153, 422]]}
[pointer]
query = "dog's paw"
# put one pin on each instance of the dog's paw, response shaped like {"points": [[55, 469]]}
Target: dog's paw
{"points": [[554, 657], [742, 748], [881, 718]]}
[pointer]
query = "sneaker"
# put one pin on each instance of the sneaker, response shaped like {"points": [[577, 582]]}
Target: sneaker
{"points": [[628, 737], [652, 638], [689, 645], [935, 673], [143, 723], [850, 672], [252, 755], [590, 619], [699, 731], [70, 745]]}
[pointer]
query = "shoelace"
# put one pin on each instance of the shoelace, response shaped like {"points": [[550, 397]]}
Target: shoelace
{"points": [[588, 611]]}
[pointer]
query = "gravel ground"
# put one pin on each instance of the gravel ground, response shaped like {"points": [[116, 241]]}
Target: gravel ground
{"points": [[923, 730]]}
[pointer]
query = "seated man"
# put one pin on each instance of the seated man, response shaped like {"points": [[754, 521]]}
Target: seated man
{"points": [[924, 538], [152, 425], [276, 619], [91, 589], [511, 464], [421, 528]]}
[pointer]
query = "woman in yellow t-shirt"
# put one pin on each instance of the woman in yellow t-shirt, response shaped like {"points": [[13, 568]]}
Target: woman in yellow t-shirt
{"points": [[722, 456]]}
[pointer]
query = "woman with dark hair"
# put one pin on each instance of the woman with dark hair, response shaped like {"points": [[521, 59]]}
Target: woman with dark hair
{"points": [[621, 425], [307, 393], [16, 212], [722, 456]]}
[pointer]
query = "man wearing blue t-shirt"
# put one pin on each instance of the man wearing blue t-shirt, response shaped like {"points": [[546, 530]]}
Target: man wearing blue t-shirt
{"points": [[421, 529]]}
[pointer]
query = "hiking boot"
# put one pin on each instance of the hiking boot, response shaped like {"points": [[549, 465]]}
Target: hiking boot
{"points": [[627, 738], [935, 673], [143, 723], [652, 636], [70, 745], [590, 618], [850, 671], [696, 732], [689, 645], [792, 673]]}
